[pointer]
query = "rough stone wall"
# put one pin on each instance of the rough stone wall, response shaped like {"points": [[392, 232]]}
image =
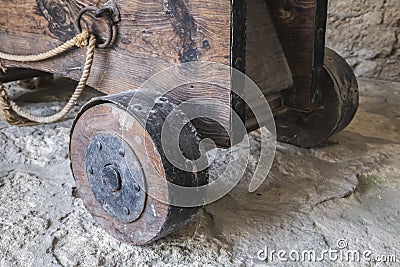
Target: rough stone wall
{"points": [[367, 34]]}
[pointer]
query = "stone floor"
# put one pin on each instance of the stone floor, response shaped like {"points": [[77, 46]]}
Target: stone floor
{"points": [[343, 196]]}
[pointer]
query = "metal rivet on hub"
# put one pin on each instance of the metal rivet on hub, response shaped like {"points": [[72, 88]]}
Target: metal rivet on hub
{"points": [[137, 187], [126, 211], [99, 146]]}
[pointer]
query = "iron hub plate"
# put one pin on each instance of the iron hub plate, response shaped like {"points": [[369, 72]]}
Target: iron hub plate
{"points": [[116, 177]]}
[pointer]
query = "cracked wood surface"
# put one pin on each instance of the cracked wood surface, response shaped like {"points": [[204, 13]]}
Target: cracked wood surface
{"points": [[152, 35]]}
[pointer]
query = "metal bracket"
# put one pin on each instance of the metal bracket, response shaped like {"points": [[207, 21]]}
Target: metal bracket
{"points": [[110, 9]]}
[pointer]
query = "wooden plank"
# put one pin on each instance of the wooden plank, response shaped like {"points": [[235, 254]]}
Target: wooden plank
{"points": [[266, 62], [151, 36], [301, 28]]}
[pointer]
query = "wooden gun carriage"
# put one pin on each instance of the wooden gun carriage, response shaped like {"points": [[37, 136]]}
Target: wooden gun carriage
{"points": [[279, 44]]}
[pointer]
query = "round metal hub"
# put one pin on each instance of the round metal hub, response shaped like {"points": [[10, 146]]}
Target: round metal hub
{"points": [[116, 177], [111, 177]]}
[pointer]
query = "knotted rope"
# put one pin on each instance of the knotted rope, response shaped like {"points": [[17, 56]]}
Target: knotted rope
{"points": [[13, 114]]}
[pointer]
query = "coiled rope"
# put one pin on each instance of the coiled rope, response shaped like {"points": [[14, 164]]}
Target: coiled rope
{"points": [[14, 114]]}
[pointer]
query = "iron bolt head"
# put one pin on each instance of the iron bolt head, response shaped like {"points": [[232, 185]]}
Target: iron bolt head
{"points": [[99, 146], [126, 211], [112, 178], [137, 187]]}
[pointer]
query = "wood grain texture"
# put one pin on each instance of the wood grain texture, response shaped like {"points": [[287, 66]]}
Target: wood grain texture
{"points": [[295, 21], [266, 63], [152, 35], [155, 213], [139, 126]]}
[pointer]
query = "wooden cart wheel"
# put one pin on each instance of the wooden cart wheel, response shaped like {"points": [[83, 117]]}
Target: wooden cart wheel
{"points": [[336, 107], [121, 170]]}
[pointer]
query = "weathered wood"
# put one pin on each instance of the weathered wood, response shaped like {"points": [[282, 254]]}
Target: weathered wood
{"points": [[266, 63], [108, 116], [301, 28], [338, 102], [152, 36], [93, 122], [284, 59]]}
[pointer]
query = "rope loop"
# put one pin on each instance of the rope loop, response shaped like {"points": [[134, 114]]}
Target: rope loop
{"points": [[14, 114], [98, 15]]}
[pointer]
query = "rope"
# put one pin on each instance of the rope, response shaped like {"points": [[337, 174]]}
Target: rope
{"points": [[13, 114], [80, 40], [6, 112], [2, 68]]}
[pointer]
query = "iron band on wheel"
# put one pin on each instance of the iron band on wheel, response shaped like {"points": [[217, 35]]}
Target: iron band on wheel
{"points": [[99, 13]]}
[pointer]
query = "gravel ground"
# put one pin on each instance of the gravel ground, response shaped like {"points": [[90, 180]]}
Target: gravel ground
{"points": [[346, 190]]}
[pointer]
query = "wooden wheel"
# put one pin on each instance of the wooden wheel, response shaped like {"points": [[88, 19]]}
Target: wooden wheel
{"points": [[335, 107], [122, 172]]}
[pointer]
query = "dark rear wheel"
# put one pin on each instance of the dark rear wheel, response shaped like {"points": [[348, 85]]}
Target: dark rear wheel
{"points": [[336, 106]]}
